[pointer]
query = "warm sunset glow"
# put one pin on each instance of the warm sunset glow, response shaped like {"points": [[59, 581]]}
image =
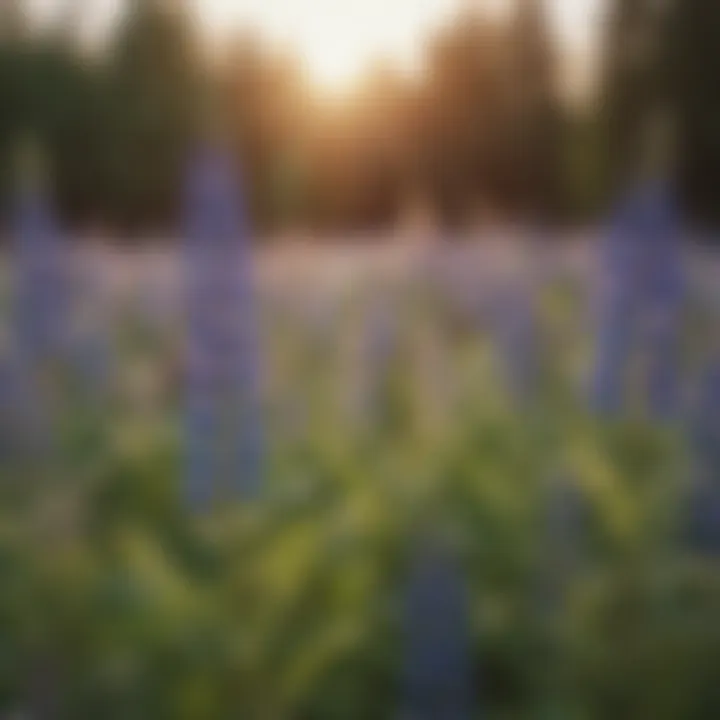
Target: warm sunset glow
{"points": [[339, 39], [334, 61]]}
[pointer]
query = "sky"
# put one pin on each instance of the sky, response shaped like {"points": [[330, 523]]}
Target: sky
{"points": [[338, 39]]}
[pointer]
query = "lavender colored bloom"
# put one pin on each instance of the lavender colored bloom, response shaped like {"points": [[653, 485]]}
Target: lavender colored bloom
{"points": [[223, 425], [40, 311], [641, 289], [438, 679], [41, 301]]}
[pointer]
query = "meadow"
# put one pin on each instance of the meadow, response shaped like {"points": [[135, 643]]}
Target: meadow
{"points": [[405, 394]]}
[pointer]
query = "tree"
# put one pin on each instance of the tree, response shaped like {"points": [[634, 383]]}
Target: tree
{"points": [[47, 89], [634, 80], [692, 69], [151, 105], [665, 55], [266, 111], [462, 115], [536, 114]]}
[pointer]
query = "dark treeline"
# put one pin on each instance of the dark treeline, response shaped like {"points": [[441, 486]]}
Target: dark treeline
{"points": [[483, 127], [665, 54]]}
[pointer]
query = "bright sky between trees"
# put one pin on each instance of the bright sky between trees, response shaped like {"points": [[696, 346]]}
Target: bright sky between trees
{"points": [[340, 39]]}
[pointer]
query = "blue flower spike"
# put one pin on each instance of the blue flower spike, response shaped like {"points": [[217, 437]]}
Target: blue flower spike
{"points": [[224, 436]]}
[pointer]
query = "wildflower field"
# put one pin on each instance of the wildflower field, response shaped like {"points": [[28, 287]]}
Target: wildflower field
{"points": [[437, 395]]}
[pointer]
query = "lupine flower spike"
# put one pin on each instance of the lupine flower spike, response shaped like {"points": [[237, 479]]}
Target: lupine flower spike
{"points": [[41, 295], [223, 424], [641, 288]]}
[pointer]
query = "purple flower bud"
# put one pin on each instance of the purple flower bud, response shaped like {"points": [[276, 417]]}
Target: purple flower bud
{"points": [[223, 424]]}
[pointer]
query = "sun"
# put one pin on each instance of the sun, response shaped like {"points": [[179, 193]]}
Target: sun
{"points": [[337, 40], [334, 64]]}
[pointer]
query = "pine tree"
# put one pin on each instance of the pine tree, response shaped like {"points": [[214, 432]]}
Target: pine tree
{"points": [[537, 112], [634, 84], [151, 112], [692, 63]]}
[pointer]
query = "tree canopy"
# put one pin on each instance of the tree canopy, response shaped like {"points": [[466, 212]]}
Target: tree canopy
{"points": [[483, 124]]}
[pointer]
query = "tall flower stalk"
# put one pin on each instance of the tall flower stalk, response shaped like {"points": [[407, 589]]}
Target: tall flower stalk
{"points": [[41, 298], [223, 424], [639, 304]]}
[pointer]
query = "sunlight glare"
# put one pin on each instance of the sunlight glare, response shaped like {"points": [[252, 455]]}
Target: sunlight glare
{"points": [[339, 40]]}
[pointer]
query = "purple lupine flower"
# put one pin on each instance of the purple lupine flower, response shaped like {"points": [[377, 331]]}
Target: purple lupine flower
{"points": [[438, 675], [40, 303], [41, 297], [223, 424], [641, 282]]}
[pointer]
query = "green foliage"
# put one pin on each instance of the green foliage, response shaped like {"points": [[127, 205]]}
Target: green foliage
{"points": [[289, 607]]}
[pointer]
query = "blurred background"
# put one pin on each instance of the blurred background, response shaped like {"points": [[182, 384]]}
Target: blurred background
{"points": [[359, 359], [359, 116]]}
